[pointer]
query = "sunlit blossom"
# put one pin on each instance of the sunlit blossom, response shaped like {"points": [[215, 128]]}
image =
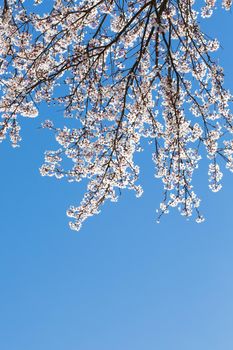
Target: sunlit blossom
{"points": [[123, 71]]}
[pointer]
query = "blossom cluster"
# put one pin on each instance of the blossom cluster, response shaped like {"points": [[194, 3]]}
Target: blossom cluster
{"points": [[124, 71]]}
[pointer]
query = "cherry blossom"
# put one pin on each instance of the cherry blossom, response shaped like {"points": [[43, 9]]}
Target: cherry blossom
{"points": [[123, 72]]}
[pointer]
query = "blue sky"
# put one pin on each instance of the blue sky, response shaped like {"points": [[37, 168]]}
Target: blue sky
{"points": [[123, 282]]}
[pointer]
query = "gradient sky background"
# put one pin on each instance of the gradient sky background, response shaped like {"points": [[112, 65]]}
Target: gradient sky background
{"points": [[123, 282]]}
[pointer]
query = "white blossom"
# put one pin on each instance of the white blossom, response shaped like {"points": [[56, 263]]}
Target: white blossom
{"points": [[123, 71]]}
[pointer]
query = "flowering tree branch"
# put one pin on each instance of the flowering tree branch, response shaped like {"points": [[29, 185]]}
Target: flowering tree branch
{"points": [[124, 71]]}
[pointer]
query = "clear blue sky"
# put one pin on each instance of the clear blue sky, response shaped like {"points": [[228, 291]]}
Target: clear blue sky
{"points": [[123, 282]]}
